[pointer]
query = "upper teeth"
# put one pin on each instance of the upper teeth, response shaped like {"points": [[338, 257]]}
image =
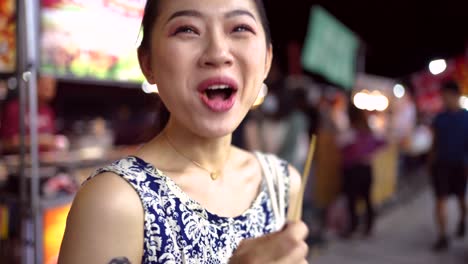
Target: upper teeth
{"points": [[218, 87]]}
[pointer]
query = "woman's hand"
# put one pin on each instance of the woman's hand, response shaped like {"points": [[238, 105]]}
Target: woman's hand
{"points": [[285, 246]]}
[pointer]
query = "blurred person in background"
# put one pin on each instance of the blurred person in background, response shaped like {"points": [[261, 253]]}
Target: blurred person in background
{"points": [[448, 161], [296, 141], [48, 140], [280, 126], [358, 147], [252, 133], [10, 144], [284, 130], [10, 126]]}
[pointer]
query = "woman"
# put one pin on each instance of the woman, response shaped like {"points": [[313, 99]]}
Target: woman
{"points": [[359, 148], [188, 196]]}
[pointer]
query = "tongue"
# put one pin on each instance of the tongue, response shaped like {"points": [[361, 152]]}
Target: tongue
{"points": [[218, 100], [216, 95]]}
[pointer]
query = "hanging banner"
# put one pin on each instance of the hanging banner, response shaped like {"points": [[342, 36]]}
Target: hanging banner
{"points": [[7, 36], [427, 86], [330, 49], [461, 73], [427, 91], [91, 39]]}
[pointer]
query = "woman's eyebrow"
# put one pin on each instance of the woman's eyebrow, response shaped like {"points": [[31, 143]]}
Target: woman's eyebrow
{"points": [[195, 13], [191, 13], [239, 12]]}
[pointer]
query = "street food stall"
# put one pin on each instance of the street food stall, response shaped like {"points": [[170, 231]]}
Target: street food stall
{"points": [[42, 184], [61, 173]]}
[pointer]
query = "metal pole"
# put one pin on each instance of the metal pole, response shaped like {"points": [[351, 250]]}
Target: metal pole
{"points": [[34, 154], [31, 16], [21, 68]]}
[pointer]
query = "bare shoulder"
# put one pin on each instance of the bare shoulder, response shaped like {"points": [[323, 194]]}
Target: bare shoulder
{"points": [[108, 194], [106, 219]]}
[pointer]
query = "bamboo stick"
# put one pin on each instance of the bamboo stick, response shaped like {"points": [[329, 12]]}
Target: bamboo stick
{"points": [[295, 213]]}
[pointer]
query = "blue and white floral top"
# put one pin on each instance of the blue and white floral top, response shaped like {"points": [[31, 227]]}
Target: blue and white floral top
{"points": [[178, 229]]}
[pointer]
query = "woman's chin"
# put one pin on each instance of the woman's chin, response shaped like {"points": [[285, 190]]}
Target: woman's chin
{"points": [[216, 129], [216, 133]]}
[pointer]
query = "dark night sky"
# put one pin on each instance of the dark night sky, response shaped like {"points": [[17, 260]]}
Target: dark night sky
{"points": [[400, 37]]}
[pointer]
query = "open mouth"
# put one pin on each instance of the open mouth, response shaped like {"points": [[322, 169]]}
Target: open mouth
{"points": [[219, 92]]}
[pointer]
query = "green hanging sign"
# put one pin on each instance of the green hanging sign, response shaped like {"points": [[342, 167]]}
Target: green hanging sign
{"points": [[330, 49]]}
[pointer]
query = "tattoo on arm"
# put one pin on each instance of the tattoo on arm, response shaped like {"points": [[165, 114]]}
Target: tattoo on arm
{"points": [[120, 260]]}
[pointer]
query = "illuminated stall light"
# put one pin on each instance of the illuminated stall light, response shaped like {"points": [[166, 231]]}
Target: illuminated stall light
{"points": [[54, 228], [437, 66], [399, 91], [360, 100], [379, 101], [374, 101], [464, 102]]}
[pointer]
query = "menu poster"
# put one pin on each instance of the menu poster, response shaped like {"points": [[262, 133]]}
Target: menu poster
{"points": [[7, 36], [91, 39]]}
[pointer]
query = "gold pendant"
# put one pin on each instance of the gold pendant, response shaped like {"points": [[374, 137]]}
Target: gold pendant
{"points": [[214, 176]]}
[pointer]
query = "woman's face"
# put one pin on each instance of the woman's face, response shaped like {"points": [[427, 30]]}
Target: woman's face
{"points": [[209, 59]]}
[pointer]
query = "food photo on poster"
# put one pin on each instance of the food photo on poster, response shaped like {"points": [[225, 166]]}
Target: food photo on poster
{"points": [[72, 46], [7, 36]]}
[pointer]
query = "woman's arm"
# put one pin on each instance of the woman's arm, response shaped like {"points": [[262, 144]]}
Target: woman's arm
{"points": [[105, 224]]}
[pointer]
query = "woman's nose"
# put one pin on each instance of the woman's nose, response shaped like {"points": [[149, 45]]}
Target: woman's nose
{"points": [[217, 52]]}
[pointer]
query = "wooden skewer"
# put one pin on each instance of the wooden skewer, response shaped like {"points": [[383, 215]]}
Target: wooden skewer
{"points": [[295, 208]]}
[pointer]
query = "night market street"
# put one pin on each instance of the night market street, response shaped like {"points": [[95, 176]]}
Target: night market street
{"points": [[402, 236]]}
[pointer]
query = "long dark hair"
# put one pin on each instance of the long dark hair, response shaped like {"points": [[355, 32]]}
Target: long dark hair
{"points": [[149, 18]]}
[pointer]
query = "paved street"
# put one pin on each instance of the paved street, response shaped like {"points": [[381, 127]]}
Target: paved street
{"points": [[403, 236]]}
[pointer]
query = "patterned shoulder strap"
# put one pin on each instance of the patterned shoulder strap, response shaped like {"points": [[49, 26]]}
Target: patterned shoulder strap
{"points": [[276, 177]]}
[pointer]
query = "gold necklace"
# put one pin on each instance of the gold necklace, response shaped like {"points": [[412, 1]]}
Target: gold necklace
{"points": [[213, 174]]}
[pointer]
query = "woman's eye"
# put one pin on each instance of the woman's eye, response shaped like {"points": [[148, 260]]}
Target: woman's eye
{"points": [[185, 30], [243, 28]]}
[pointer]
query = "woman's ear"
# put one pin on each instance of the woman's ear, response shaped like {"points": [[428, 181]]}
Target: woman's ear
{"points": [[144, 58], [268, 60]]}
